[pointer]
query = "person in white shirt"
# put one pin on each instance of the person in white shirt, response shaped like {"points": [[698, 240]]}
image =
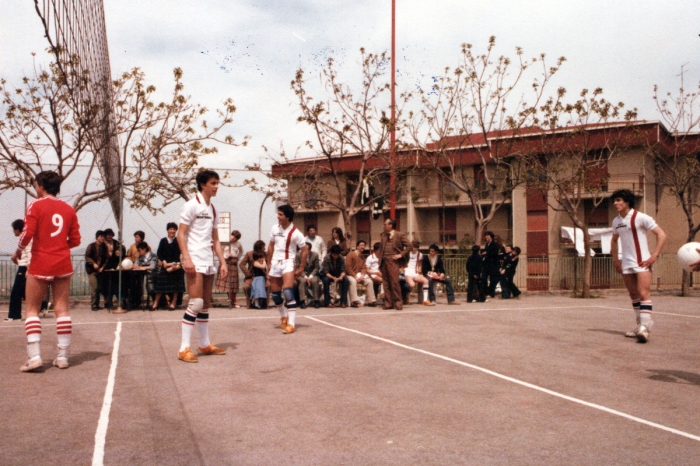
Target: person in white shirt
{"points": [[198, 239], [317, 244], [414, 271], [18, 287], [284, 241], [631, 227]]}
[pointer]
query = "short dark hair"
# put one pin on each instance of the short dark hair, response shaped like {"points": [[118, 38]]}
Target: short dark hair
{"points": [[287, 210], [140, 234], [310, 226], [415, 244], [335, 249], [204, 176], [142, 245], [376, 246], [475, 249], [18, 224], [490, 233], [393, 222], [109, 231], [309, 245], [236, 234], [99, 233], [171, 225], [50, 181], [626, 195], [258, 255], [517, 250], [358, 242], [435, 248], [259, 245]]}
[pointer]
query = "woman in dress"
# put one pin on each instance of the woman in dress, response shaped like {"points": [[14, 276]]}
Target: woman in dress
{"points": [[338, 238], [169, 278], [231, 254]]}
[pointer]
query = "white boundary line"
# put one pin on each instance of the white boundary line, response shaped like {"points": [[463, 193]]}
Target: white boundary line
{"points": [[515, 381], [653, 312], [101, 435]]}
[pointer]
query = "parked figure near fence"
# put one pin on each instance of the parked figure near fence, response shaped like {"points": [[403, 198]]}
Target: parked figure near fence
{"points": [[309, 278], [318, 245], [414, 273], [333, 270], [510, 264], [491, 270], [258, 289], [198, 238], [52, 227], [395, 246], [434, 271], [169, 278], [338, 239], [18, 287], [475, 287], [356, 269], [232, 252], [95, 262], [246, 266]]}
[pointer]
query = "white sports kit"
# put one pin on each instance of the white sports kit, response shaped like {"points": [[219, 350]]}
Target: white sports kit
{"points": [[412, 265], [633, 240], [201, 220], [285, 243]]}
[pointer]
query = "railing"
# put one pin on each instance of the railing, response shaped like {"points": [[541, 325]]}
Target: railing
{"points": [[454, 239]]}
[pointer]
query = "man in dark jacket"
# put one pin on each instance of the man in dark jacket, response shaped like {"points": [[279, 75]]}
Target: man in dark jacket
{"points": [[434, 271], [95, 260], [510, 263], [308, 278], [491, 276], [333, 271], [475, 264]]}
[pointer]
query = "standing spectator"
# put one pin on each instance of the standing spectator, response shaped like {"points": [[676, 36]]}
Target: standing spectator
{"points": [[337, 239], [355, 265], [115, 251], [231, 254], [475, 264], [317, 244], [414, 273], [95, 261], [333, 271], [246, 266], [133, 253], [434, 271], [53, 226], [17, 294], [510, 263], [169, 278], [309, 278], [394, 249], [491, 274], [258, 290]]}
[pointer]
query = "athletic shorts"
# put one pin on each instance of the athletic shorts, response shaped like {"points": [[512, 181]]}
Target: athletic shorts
{"points": [[50, 278], [632, 270], [205, 269], [281, 267], [406, 273]]}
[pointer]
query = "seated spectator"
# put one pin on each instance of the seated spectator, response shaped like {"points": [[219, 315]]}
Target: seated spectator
{"points": [[434, 271], [309, 278], [133, 253], [169, 278], [148, 262], [246, 266], [333, 271], [372, 268], [414, 273], [356, 273]]}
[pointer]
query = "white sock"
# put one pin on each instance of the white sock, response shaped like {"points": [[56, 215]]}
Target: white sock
{"points": [[645, 314], [187, 327], [282, 310], [425, 293], [202, 325], [292, 318], [64, 330]]}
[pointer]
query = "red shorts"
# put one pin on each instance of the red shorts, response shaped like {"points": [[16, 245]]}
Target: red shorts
{"points": [[45, 265]]}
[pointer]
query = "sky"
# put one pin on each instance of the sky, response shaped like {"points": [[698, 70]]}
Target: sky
{"points": [[249, 50]]}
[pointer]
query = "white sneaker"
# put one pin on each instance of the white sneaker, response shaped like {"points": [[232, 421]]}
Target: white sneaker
{"points": [[632, 333], [642, 334], [61, 363], [31, 365]]}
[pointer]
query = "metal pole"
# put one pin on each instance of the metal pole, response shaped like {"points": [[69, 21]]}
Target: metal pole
{"points": [[260, 216], [392, 147]]}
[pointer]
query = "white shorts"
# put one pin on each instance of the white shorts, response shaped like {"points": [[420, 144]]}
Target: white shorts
{"points": [[632, 270], [410, 274], [281, 267], [205, 269], [51, 278]]}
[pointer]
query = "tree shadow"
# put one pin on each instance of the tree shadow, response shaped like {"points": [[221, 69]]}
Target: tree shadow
{"points": [[602, 330], [682, 377], [87, 356]]}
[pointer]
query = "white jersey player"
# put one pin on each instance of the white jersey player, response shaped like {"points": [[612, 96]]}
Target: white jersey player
{"points": [[198, 239], [631, 227], [413, 272], [285, 238]]}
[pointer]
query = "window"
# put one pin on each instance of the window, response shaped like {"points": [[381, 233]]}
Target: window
{"points": [[310, 219], [362, 226], [448, 226], [598, 217]]}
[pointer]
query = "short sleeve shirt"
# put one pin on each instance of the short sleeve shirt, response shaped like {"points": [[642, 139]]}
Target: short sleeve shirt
{"points": [[286, 241], [201, 219], [372, 263], [413, 261], [633, 237]]}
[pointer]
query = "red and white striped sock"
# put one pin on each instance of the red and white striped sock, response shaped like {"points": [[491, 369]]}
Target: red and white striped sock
{"points": [[64, 330], [32, 327]]}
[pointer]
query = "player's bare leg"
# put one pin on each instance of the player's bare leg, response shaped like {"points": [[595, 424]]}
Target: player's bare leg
{"points": [[639, 287], [197, 315]]}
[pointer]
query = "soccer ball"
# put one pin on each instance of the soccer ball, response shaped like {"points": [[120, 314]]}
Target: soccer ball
{"points": [[127, 264], [688, 254]]}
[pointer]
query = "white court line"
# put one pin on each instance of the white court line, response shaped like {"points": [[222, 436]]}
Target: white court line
{"points": [[515, 381], [101, 435], [653, 312]]}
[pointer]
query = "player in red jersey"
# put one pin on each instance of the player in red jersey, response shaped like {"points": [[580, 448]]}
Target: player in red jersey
{"points": [[53, 225]]}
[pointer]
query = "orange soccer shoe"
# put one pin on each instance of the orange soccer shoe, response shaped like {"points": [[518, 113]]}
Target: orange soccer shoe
{"points": [[187, 355], [288, 329], [283, 322], [212, 350]]}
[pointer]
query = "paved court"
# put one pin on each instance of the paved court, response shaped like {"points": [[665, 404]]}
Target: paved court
{"points": [[539, 380]]}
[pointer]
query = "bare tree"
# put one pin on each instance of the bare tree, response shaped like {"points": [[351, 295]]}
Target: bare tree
{"points": [[350, 145], [161, 143], [678, 158], [471, 123], [570, 168]]}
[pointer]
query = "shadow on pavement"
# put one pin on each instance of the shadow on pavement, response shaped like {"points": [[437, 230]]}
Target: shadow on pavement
{"points": [[675, 377], [87, 356], [602, 330]]}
